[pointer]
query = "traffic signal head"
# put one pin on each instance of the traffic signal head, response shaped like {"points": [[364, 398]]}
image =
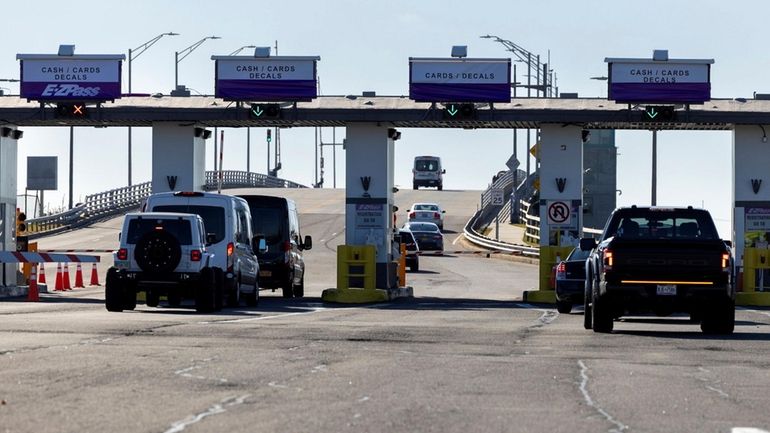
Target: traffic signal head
{"points": [[21, 225], [265, 111], [460, 111], [659, 113], [72, 110]]}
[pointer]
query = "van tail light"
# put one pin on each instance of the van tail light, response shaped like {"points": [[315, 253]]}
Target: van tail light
{"points": [[122, 254], [230, 249], [436, 215], [609, 260], [195, 255], [561, 271], [230, 258], [725, 261]]}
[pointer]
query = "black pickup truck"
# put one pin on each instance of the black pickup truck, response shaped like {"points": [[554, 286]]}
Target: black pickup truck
{"points": [[663, 260]]}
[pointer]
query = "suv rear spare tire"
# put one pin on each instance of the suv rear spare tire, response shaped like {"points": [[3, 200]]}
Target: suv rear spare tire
{"points": [[158, 251]]}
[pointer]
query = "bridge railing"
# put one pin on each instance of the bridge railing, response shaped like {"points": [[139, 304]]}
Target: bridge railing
{"points": [[110, 203]]}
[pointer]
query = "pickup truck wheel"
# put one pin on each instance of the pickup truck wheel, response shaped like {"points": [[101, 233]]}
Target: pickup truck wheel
{"points": [[564, 307], [153, 298], [113, 291], [219, 288], [204, 291], [587, 315], [719, 318], [601, 314]]}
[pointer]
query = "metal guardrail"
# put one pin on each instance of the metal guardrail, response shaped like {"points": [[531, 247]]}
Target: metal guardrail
{"points": [[107, 204], [485, 242]]}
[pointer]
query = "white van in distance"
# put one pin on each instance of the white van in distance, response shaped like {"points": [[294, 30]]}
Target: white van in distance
{"points": [[427, 171]]}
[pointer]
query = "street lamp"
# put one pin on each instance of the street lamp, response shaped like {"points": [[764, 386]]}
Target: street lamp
{"points": [[600, 78], [132, 54], [242, 48], [186, 52]]}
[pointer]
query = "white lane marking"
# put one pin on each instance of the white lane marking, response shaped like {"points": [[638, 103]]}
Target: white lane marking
{"points": [[186, 372], [547, 317], [589, 401], [277, 385], [747, 430], [251, 319], [319, 368], [458, 238], [718, 391], [215, 409], [363, 399], [751, 310], [713, 382]]}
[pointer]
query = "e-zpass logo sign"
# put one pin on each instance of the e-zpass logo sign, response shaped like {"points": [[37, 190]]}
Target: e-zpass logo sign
{"points": [[64, 90]]}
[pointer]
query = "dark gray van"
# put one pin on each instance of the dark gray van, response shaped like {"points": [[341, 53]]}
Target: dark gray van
{"points": [[282, 265]]}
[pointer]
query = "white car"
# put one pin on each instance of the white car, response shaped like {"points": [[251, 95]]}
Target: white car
{"points": [[427, 213]]}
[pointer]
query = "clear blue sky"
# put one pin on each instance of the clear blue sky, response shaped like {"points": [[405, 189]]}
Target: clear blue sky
{"points": [[365, 45]]}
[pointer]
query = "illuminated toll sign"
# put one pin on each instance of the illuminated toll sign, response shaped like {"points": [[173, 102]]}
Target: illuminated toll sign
{"points": [[48, 77]]}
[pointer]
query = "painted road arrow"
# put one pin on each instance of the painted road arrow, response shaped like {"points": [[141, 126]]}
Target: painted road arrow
{"points": [[452, 110]]}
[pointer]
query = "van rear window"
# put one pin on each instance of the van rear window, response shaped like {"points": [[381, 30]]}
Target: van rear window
{"points": [[213, 217], [179, 229], [269, 222], [426, 165]]}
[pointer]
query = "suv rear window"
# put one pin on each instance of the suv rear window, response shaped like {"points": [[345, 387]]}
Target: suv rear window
{"points": [[178, 228], [213, 217]]}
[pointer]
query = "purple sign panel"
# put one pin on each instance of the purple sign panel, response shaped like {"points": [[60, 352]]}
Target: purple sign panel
{"points": [[76, 78], [460, 80], [659, 82], [244, 78]]}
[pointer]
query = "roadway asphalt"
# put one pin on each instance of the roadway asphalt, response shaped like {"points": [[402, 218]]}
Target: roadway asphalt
{"points": [[463, 355]]}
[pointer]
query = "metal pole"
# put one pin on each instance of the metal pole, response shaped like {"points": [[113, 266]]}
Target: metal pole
{"points": [[176, 69], [334, 156], [654, 201], [129, 128], [528, 154], [215, 148], [529, 74], [248, 150], [515, 81], [268, 155], [72, 151], [316, 157]]}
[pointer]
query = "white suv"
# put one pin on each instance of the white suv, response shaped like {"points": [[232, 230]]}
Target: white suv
{"points": [[227, 220], [162, 254]]}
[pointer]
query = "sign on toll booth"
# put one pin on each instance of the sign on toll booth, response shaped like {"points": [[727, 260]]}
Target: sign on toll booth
{"points": [[659, 80], [459, 80], [279, 78], [70, 77]]}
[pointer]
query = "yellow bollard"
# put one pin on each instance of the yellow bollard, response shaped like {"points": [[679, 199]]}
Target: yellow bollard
{"points": [[356, 276]]}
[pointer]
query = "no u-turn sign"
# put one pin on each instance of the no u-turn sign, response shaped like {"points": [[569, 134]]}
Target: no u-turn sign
{"points": [[559, 213]]}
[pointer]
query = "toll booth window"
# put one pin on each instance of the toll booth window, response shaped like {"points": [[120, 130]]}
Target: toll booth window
{"points": [[213, 217]]}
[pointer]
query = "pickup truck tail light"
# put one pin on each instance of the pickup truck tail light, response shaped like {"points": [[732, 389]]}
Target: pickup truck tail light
{"points": [[195, 255], [561, 271], [609, 260], [122, 254], [725, 261]]}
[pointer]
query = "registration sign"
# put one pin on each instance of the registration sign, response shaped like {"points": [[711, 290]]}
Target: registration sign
{"points": [[666, 290], [459, 80], [651, 81], [47, 77]]}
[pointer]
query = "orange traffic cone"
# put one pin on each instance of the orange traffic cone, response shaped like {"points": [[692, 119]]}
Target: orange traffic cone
{"points": [[79, 276], [33, 295], [94, 277], [41, 276], [66, 276], [59, 284]]}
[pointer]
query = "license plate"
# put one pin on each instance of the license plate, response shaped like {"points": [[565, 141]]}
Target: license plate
{"points": [[666, 289], [265, 274]]}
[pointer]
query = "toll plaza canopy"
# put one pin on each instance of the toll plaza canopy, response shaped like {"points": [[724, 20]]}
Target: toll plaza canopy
{"points": [[395, 111]]}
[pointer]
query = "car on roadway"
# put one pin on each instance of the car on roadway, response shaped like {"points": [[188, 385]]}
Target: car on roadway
{"points": [[163, 254], [428, 235], [426, 212], [570, 280], [412, 250]]}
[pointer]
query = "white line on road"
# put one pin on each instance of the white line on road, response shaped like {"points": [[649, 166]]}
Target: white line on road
{"points": [[584, 390], [747, 430], [458, 238], [217, 408], [547, 317], [251, 319]]}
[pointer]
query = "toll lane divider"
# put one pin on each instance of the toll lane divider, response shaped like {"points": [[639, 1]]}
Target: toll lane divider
{"points": [[27, 257]]}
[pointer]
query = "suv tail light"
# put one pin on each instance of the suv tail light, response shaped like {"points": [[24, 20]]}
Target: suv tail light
{"points": [[561, 271], [195, 255], [122, 254]]}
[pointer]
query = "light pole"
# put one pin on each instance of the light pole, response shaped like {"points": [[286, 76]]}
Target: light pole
{"points": [[601, 78], [241, 49], [184, 53], [132, 54]]}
